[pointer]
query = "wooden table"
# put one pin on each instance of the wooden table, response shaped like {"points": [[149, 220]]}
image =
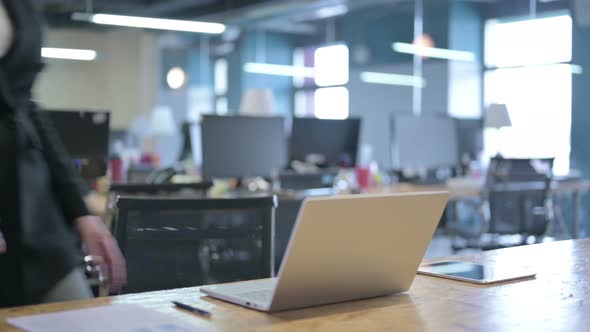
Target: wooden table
{"points": [[472, 190], [558, 299]]}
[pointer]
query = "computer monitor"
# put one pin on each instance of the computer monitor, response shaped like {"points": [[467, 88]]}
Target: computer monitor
{"points": [[242, 146], [84, 134], [85, 137], [336, 141], [427, 142], [469, 137]]}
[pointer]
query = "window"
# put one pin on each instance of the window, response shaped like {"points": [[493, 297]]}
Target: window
{"points": [[324, 96], [331, 103], [331, 65], [528, 70], [220, 86]]}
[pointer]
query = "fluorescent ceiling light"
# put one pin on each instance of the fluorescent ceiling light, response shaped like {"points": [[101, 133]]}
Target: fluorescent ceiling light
{"points": [[331, 11], [393, 79], [68, 54], [151, 23], [577, 69], [432, 52], [279, 70]]}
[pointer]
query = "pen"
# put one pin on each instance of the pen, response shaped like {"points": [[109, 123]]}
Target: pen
{"points": [[192, 309]]}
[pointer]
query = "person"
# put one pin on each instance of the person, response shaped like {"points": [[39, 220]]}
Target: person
{"points": [[41, 203]]}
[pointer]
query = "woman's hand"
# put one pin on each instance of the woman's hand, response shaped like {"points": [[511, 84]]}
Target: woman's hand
{"points": [[2, 244], [98, 241]]}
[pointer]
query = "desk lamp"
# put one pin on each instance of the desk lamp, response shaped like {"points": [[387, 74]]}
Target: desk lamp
{"points": [[497, 117], [258, 102]]}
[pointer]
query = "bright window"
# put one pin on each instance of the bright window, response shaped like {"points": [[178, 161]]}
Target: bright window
{"points": [[538, 97], [323, 95], [528, 42], [220, 77], [331, 103], [331, 65]]}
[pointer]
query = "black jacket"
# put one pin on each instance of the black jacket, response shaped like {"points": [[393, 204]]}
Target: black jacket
{"points": [[40, 195]]}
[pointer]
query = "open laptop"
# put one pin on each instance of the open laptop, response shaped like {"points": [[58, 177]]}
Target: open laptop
{"points": [[345, 248]]}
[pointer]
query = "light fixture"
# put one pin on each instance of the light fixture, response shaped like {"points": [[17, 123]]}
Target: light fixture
{"points": [[151, 23], [257, 102], [331, 11], [497, 116], [278, 70], [393, 79], [577, 69], [176, 78], [68, 54], [433, 52]]}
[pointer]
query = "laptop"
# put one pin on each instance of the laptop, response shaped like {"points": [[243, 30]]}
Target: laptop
{"points": [[345, 248]]}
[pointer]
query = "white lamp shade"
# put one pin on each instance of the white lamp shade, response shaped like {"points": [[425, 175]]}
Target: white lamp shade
{"points": [[162, 122], [258, 102], [497, 116]]}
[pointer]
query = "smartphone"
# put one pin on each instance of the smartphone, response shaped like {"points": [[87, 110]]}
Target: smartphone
{"points": [[476, 273]]}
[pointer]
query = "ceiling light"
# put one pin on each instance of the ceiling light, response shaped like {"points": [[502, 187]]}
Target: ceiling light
{"points": [[68, 54], [393, 79], [279, 70], [151, 23], [332, 11], [432, 52], [176, 78]]}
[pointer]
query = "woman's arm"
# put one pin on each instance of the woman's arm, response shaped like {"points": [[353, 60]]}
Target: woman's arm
{"points": [[65, 182], [67, 187]]}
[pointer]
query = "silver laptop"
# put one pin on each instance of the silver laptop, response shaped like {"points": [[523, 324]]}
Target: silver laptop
{"points": [[345, 248]]}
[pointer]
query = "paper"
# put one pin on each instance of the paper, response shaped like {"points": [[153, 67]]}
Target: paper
{"points": [[113, 318]]}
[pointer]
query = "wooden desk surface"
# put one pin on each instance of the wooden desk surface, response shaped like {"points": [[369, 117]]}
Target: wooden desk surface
{"points": [[558, 299], [462, 191]]}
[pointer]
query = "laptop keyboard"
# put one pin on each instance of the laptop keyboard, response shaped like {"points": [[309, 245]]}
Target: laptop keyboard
{"points": [[262, 296]]}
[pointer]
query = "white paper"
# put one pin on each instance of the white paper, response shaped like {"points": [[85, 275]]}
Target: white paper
{"points": [[112, 318]]}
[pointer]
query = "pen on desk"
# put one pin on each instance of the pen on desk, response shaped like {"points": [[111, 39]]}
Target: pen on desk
{"points": [[192, 309]]}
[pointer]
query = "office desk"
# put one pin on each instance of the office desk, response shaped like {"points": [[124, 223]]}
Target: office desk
{"points": [[461, 192], [557, 299]]}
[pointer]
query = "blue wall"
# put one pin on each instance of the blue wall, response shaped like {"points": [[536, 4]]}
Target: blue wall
{"points": [[580, 141], [466, 28], [278, 49], [377, 28]]}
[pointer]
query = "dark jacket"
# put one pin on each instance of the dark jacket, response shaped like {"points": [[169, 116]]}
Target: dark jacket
{"points": [[40, 195]]}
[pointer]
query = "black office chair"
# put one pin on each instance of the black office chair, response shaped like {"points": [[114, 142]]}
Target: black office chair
{"points": [[516, 200], [181, 242], [192, 188]]}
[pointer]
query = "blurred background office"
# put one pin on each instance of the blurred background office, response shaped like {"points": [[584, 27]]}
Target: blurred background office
{"points": [[335, 94]]}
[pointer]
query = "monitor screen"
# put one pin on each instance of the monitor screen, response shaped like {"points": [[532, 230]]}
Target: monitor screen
{"points": [[470, 137], [335, 142], [424, 142], [84, 134], [242, 146]]}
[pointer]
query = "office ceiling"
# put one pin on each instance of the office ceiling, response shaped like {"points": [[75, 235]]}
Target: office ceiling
{"points": [[289, 15], [58, 12]]}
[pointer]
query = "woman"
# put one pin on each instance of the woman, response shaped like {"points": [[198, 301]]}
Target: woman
{"points": [[41, 206]]}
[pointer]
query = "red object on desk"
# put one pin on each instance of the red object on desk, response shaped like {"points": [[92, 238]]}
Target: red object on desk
{"points": [[363, 177], [116, 170]]}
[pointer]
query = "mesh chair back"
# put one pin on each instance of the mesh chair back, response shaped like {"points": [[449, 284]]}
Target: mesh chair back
{"points": [[181, 242], [517, 190]]}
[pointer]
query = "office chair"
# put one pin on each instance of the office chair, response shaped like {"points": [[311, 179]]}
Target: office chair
{"points": [[192, 189], [516, 200], [181, 242]]}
